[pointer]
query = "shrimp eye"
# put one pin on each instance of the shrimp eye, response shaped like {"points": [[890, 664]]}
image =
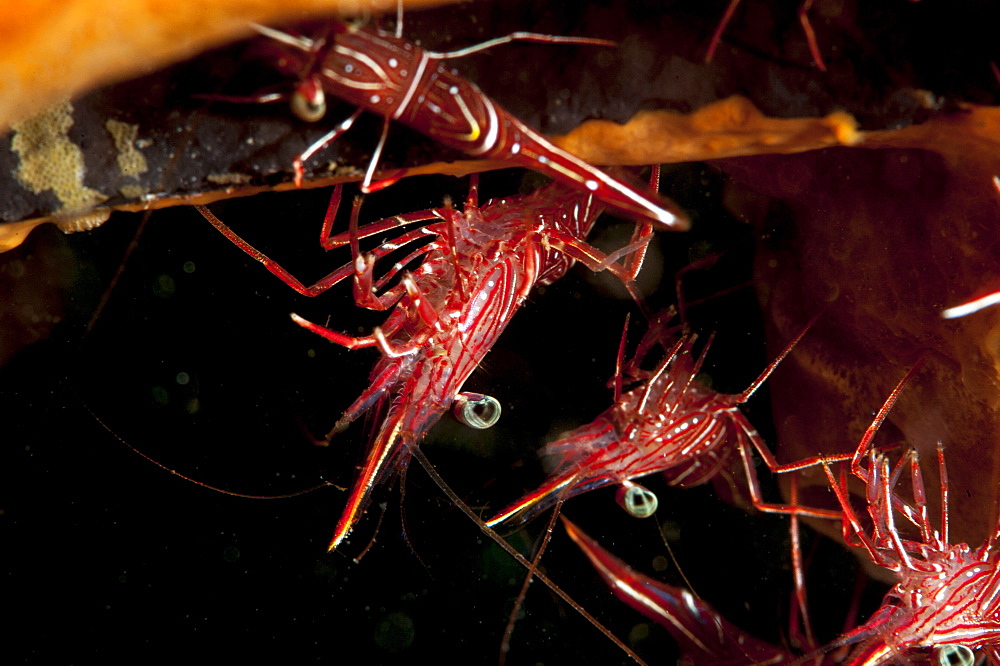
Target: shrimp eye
{"points": [[955, 655], [477, 410], [637, 501], [308, 103]]}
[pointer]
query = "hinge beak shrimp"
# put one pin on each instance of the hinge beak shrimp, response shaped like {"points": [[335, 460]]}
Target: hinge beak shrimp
{"points": [[668, 424], [382, 73], [447, 313], [947, 598]]}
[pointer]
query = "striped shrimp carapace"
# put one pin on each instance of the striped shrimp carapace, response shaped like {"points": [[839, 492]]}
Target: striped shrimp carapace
{"points": [[446, 314], [383, 73], [670, 424], [946, 603]]}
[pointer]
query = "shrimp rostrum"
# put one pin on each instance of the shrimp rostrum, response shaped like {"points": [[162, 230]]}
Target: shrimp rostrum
{"points": [[703, 635], [480, 265]]}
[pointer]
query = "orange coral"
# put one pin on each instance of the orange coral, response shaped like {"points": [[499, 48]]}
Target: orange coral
{"points": [[53, 51]]}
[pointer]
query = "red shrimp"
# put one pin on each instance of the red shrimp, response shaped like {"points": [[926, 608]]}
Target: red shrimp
{"points": [[387, 75], [669, 424], [947, 598], [703, 635], [447, 313]]}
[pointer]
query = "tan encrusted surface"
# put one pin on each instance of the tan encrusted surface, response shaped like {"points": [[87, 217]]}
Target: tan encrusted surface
{"points": [[732, 127], [50, 161]]}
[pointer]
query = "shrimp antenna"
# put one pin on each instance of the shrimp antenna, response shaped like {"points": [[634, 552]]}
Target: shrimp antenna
{"points": [[196, 482], [532, 570], [619, 361], [297, 42], [522, 560]]}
